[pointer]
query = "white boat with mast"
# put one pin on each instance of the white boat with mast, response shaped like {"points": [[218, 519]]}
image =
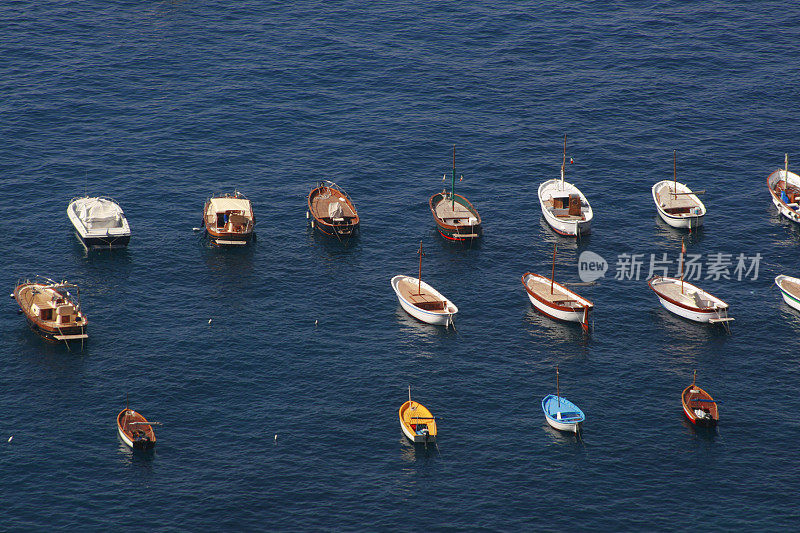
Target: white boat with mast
{"points": [[784, 188], [677, 205], [689, 301], [564, 206], [555, 300], [422, 301]]}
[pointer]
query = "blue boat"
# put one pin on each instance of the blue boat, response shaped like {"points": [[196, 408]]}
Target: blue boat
{"points": [[561, 413]]}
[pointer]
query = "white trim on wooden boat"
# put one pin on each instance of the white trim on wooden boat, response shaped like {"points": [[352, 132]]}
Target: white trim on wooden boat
{"points": [[665, 200], [436, 317], [562, 304], [690, 301], [70, 337], [237, 243], [564, 224]]}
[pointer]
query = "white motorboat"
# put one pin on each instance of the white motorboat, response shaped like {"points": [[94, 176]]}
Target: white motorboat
{"points": [[689, 301], [784, 187], [790, 290], [564, 206], [99, 222]]}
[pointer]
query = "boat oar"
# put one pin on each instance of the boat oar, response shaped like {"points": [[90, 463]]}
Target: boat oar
{"points": [[145, 424], [427, 417], [703, 400]]}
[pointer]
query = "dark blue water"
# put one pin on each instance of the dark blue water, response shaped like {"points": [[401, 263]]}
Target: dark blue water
{"points": [[159, 104]]}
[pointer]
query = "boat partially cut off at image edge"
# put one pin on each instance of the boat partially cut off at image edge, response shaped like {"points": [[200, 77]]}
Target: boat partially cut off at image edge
{"points": [[689, 301], [790, 290], [53, 310], [99, 222], [784, 188]]}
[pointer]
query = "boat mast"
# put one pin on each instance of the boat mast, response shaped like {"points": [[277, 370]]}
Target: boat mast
{"points": [[453, 186], [694, 378], [419, 282], [564, 162], [683, 260], [553, 272], [409, 396], [786, 168], [558, 393], [674, 173]]}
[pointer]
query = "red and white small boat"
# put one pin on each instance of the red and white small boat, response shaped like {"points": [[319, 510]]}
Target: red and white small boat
{"points": [[555, 300], [698, 405], [689, 301]]}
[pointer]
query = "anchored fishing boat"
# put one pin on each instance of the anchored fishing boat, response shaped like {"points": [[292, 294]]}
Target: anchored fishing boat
{"points": [[561, 413], [784, 187], [417, 422], [564, 206], [422, 301], [331, 210], [228, 219], [456, 218], [555, 300], [53, 310], [689, 301], [698, 405], [677, 205], [99, 222], [135, 430], [790, 290]]}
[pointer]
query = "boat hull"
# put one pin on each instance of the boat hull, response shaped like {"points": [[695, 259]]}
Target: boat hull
{"points": [[114, 237], [136, 443], [791, 299], [48, 329], [109, 241], [783, 208], [470, 231], [707, 407], [687, 221], [345, 224], [551, 412], [558, 312], [429, 436], [567, 228], [429, 317], [229, 239], [687, 310]]}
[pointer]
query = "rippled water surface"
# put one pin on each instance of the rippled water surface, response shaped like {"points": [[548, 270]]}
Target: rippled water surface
{"points": [[159, 104]]}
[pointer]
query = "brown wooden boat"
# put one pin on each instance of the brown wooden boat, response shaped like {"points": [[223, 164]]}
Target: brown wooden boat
{"points": [[135, 430], [229, 219], [456, 218], [331, 211], [698, 405], [53, 310]]}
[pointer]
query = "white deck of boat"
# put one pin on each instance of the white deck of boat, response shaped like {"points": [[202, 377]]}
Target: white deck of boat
{"points": [[673, 291]]}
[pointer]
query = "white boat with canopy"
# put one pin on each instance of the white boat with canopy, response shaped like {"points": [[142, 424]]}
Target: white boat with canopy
{"points": [[99, 222], [677, 205]]}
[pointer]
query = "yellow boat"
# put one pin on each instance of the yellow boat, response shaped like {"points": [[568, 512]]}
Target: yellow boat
{"points": [[417, 423]]}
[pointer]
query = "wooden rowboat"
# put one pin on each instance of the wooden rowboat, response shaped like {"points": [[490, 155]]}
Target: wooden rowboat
{"points": [[554, 300], [784, 188], [456, 218], [422, 301], [689, 301], [135, 430], [698, 405], [561, 413], [677, 205], [53, 310], [331, 211], [228, 219], [564, 206], [790, 290], [417, 422]]}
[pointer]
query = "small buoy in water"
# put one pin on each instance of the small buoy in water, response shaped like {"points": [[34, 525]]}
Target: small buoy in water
{"points": [[308, 215], [316, 322], [209, 321], [12, 436], [276, 436], [196, 229]]}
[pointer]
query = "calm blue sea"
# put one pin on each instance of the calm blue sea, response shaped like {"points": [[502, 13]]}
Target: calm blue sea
{"points": [[160, 104]]}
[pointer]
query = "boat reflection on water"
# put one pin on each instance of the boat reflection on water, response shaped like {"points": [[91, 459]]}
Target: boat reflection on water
{"points": [[563, 438], [412, 453], [547, 235], [674, 235], [419, 329], [555, 330], [688, 331], [701, 433], [139, 459]]}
